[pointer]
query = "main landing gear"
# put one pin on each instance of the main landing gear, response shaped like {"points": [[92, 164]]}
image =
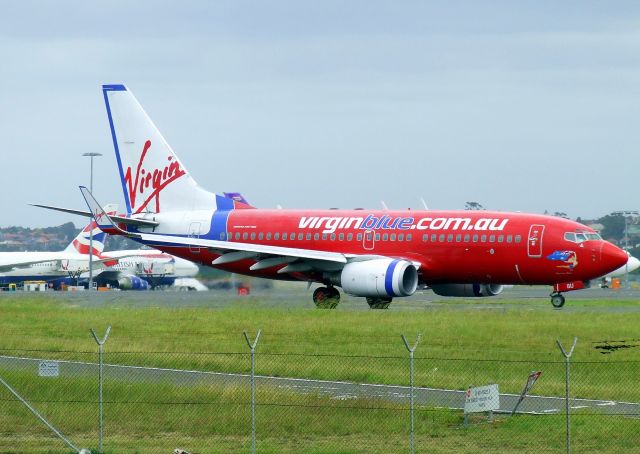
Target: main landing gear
{"points": [[557, 300], [379, 303], [329, 298], [326, 297]]}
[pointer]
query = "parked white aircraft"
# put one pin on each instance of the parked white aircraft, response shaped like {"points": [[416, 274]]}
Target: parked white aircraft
{"points": [[18, 267], [631, 265], [127, 269], [137, 269]]}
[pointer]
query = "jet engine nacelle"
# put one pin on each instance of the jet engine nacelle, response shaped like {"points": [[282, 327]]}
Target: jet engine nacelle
{"points": [[384, 278], [132, 283], [472, 290]]}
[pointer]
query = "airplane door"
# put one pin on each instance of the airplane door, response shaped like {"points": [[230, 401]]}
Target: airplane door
{"points": [[534, 241], [368, 242], [194, 232]]}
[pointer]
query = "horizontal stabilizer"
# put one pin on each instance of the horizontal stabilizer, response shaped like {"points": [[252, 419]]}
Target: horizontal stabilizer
{"points": [[116, 218], [101, 217]]}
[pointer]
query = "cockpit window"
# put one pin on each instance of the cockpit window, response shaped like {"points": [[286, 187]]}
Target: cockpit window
{"points": [[579, 237]]}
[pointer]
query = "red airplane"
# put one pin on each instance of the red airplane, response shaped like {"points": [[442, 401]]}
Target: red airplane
{"points": [[378, 255]]}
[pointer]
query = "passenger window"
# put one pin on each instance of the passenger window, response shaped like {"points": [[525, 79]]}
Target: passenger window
{"points": [[475, 238], [425, 238], [300, 236], [285, 236], [359, 237], [458, 238], [385, 237], [393, 237], [292, 237], [409, 237], [245, 236], [276, 236], [483, 238], [518, 238], [492, 238], [341, 237], [316, 236], [441, 239], [509, 238], [308, 237], [333, 237], [467, 238], [222, 235], [400, 236], [350, 237], [253, 235], [260, 236], [450, 238], [324, 237], [377, 237], [434, 237], [268, 235]]}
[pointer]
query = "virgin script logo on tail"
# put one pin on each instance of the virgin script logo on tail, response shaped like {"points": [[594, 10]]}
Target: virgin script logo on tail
{"points": [[149, 183]]}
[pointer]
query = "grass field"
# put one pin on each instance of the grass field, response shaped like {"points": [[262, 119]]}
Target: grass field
{"points": [[462, 344]]}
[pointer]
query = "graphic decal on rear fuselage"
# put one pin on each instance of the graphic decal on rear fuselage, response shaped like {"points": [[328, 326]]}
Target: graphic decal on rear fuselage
{"points": [[330, 224], [155, 179], [568, 259]]}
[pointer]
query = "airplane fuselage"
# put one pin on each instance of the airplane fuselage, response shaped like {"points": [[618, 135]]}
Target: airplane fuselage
{"points": [[448, 246]]}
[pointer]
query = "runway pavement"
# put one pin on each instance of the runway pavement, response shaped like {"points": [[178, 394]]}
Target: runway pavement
{"points": [[432, 397]]}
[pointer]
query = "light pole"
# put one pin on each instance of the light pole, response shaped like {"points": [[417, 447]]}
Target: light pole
{"points": [[91, 155], [626, 215]]}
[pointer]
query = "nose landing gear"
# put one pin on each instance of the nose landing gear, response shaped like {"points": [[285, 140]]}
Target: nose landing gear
{"points": [[557, 300]]}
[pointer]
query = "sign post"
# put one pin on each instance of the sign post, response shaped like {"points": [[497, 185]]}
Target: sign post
{"points": [[531, 380]]}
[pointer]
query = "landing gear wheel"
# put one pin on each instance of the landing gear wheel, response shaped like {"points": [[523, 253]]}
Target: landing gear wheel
{"points": [[326, 297], [379, 303], [557, 300]]}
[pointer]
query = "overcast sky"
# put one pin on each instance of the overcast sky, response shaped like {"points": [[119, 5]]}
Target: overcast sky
{"points": [[517, 105]]}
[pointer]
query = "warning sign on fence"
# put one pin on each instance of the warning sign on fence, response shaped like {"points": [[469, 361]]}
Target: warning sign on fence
{"points": [[48, 369], [482, 398]]}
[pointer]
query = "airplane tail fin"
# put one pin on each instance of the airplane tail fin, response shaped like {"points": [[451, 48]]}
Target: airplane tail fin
{"points": [[80, 244], [153, 178]]}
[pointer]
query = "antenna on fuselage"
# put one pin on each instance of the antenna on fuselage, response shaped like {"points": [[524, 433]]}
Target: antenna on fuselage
{"points": [[384, 205], [424, 204]]}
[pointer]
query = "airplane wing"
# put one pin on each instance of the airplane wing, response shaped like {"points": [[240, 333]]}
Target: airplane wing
{"points": [[17, 264], [296, 259]]}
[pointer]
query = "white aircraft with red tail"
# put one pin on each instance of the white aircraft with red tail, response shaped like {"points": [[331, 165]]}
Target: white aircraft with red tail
{"points": [[377, 255]]}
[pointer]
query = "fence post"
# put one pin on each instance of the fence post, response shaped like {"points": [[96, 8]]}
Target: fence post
{"points": [[567, 377], [252, 347], [100, 343], [411, 350]]}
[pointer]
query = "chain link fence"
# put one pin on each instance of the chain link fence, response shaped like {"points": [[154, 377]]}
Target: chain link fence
{"points": [[160, 401]]}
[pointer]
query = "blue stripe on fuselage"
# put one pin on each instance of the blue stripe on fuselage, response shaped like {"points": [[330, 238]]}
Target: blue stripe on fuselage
{"points": [[220, 217]]}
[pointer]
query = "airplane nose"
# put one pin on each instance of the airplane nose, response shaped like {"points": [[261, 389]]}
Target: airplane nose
{"points": [[612, 257]]}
